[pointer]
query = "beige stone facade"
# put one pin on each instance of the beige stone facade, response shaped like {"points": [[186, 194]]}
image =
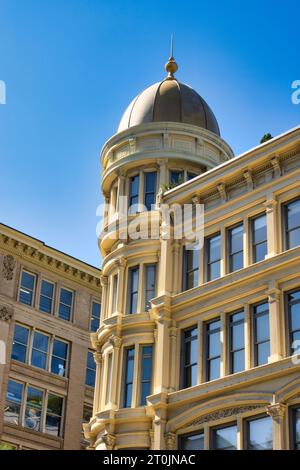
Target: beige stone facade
{"points": [[45, 409], [187, 400]]}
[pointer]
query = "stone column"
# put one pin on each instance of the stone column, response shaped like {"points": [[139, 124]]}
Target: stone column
{"points": [[162, 359], [116, 342], [171, 441], [173, 353], [97, 393], [275, 323], [104, 285], [163, 172], [277, 412], [223, 338], [177, 267], [272, 226], [121, 296]]}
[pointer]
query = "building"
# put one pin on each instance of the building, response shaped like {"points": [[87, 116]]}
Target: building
{"points": [[49, 303], [197, 348]]}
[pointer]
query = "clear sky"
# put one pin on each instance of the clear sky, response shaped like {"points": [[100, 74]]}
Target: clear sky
{"points": [[71, 67]]}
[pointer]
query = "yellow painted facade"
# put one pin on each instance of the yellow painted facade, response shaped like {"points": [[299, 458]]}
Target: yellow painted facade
{"points": [[234, 190]]}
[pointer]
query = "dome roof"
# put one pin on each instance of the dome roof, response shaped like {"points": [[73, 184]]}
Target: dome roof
{"points": [[169, 100]]}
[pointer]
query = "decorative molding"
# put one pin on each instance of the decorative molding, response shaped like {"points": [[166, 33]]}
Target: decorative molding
{"points": [[98, 358], [277, 410], [115, 341], [224, 413], [275, 161], [5, 313], [249, 179], [9, 264], [171, 440], [222, 191], [109, 440]]}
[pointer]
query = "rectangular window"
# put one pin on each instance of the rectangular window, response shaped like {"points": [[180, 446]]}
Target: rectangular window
{"points": [[129, 369], [90, 370], [189, 376], [146, 373], [96, 314], [213, 349], [134, 184], [114, 293], [259, 433], [54, 415], [108, 385], [237, 341], [65, 304], [295, 415], [133, 280], [27, 286], [14, 393], [40, 349], [59, 358], [20, 343], [236, 247], [192, 441], [46, 297], [150, 189], [191, 269], [293, 300], [176, 177], [292, 224], [150, 285], [224, 438], [33, 410], [213, 254], [259, 238], [261, 333]]}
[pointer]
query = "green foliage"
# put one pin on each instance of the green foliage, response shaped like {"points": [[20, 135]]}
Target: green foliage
{"points": [[266, 137]]}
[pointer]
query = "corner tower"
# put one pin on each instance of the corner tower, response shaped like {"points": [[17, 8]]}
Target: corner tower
{"points": [[167, 136]]}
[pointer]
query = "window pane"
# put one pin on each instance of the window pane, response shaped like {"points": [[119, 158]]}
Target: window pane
{"points": [[214, 248], [54, 405], [176, 177], [260, 229], [263, 353], [13, 402], [150, 285], [40, 342], [40, 350], [133, 289], [47, 290], [295, 316], [260, 434], [129, 364], [262, 328], [64, 312], [236, 238], [59, 356], [195, 442], [191, 175], [33, 409], [237, 261], [293, 214], [260, 252], [145, 392], [238, 361], [150, 189], [26, 288], [214, 366], [225, 438], [238, 338], [91, 370], [54, 413], [214, 271], [19, 349], [214, 345], [66, 297]]}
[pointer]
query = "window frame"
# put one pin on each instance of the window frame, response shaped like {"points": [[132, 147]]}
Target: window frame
{"points": [[184, 367], [70, 306], [231, 351], [130, 292], [252, 231], [145, 290], [207, 358], [229, 247], [88, 368], [181, 437], [289, 331], [254, 331], [28, 345], [212, 437], [292, 425], [284, 214], [141, 368], [246, 434], [125, 369], [53, 297], [33, 299], [187, 272], [207, 256], [137, 195], [145, 192], [94, 301]]}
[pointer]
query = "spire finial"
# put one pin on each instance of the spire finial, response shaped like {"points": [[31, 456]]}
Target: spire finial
{"points": [[171, 66]]}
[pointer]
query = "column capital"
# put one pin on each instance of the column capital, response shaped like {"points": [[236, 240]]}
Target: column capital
{"points": [[270, 205], [98, 358], [122, 262], [103, 280], [170, 439], [115, 341], [276, 410]]}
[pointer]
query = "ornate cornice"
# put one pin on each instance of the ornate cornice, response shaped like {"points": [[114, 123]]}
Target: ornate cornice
{"points": [[277, 410], [48, 257]]}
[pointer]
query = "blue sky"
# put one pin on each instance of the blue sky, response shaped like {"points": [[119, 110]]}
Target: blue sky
{"points": [[71, 67]]}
